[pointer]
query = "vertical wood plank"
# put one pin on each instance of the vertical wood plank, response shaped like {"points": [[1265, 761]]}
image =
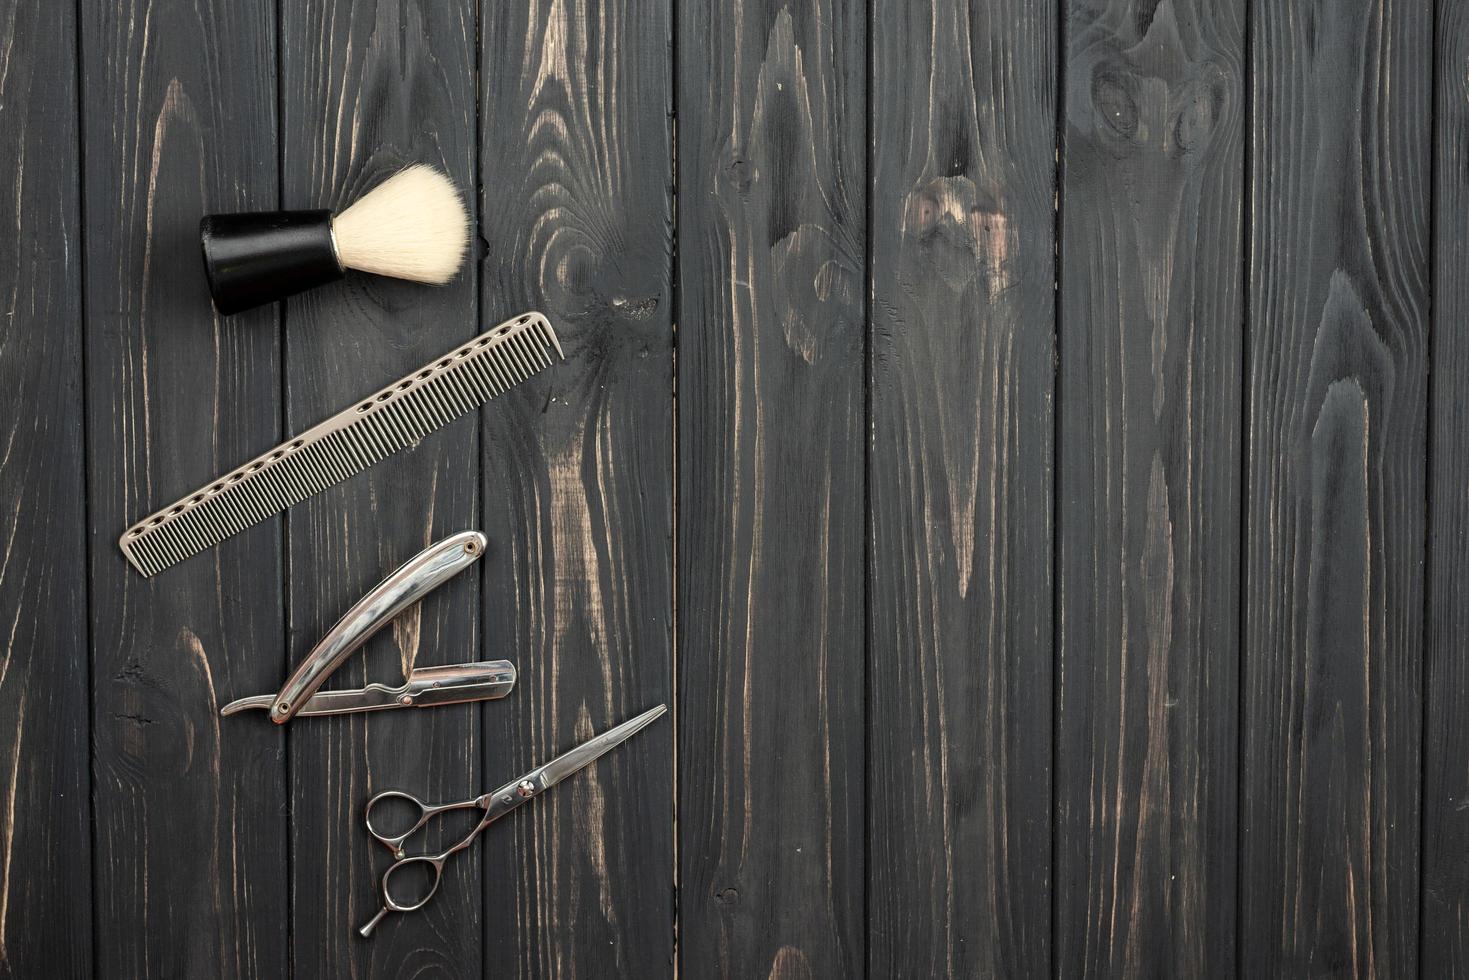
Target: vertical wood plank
{"points": [[1334, 568], [960, 644], [1148, 456], [771, 520], [1445, 930], [367, 88], [45, 864], [575, 156], [189, 826]]}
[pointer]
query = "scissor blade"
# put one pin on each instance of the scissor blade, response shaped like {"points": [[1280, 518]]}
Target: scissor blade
{"points": [[590, 751]]}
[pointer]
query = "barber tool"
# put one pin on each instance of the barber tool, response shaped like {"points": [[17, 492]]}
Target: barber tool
{"points": [[411, 226], [424, 687], [345, 444], [410, 882]]}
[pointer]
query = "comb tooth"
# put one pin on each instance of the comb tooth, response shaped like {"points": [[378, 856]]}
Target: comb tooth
{"points": [[427, 407], [444, 388], [506, 367], [548, 337], [476, 366], [394, 433], [509, 367], [534, 352], [363, 438], [309, 475], [517, 351], [142, 548], [471, 376], [315, 466], [491, 371], [412, 418], [447, 404], [453, 389], [226, 513], [167, 543], [402, 430], [302, 480], [259, 501], [463, 392], [180, 537], [204, 518], [220, 515], [508, 361], [490, 359], [441, 408], [283, 484], [361, 443], [396, 424], [339, 456], [288, 480], [349, 454], [325, 455], [383, 440], [234, 507], [420, 404], [482, 382], [371, 436], [142, 552], [157, 555], [536, 333], [437, 412], [493, 384], [250, 497]]}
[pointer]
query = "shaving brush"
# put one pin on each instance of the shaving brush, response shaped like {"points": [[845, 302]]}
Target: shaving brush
{"points": [[411, 226]]}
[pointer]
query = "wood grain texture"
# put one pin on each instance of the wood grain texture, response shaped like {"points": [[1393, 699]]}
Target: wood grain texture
{"points": [[45, 762], [1148, 457], [960, 643], [367, 88], [1330, 778], [1445, 913], [1176, 692], [189, 823], [575, 158], [771, 517]]}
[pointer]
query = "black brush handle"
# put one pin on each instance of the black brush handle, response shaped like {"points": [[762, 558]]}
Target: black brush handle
{"points": [[260, 257]]}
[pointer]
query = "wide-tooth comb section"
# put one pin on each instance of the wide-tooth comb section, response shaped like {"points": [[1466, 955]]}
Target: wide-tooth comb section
{"points": [[345, 444]]}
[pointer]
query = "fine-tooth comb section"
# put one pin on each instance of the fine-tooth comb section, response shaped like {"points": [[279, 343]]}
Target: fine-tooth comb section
{"points": [[346, 443]]}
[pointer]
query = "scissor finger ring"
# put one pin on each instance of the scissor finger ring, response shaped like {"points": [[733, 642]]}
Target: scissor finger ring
{"points": [[394, 835]]}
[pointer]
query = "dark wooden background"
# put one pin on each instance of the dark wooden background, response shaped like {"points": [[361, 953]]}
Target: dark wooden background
{"points": [[1024, 441]]}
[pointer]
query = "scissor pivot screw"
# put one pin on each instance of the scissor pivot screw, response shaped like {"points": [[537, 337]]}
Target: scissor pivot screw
{"points": [[526, 788]]}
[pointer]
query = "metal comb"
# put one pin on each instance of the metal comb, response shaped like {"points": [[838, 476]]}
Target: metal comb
{"points": [[345, 444]]}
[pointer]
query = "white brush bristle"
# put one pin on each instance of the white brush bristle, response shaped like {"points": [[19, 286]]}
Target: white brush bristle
{"points": [[411, 226]]}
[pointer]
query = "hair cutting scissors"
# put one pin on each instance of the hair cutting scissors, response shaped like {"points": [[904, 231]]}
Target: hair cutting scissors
{"points": [[411, 881]]}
